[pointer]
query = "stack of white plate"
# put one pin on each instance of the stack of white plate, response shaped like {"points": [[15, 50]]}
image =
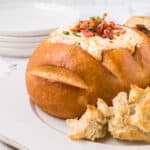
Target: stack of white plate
{"points": [[24, 24]]}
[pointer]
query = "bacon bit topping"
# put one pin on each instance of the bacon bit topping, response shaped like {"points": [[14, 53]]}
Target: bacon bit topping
{"points": [[92, 23], [108, 34], [104, 16], [87, 33], [98, 26], [76, 28], [122, 31], [83, 25]]}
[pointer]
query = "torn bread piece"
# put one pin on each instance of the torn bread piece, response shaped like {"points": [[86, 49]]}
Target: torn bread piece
{"points": [[127, 119], [93, 123], [131, 116]]}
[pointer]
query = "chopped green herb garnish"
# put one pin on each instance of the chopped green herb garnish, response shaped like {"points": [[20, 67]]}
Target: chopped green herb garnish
{"points": [[99, 20], [78, 43], [98, 17], [117, 34], [76, 34], [110, 29], [66, 32], [118, 24], [91, 28], [92, 18]]}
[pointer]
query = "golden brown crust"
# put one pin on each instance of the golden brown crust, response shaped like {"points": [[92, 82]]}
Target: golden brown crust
{"points": [[104, 79], [60, 99], [59, 74]]}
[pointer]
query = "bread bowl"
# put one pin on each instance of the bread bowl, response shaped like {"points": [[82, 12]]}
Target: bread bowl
{"points": [[141, 23], [73, 67]]}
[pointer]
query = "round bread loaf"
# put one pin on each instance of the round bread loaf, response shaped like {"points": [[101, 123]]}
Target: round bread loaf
{"points": [[63, 78]]}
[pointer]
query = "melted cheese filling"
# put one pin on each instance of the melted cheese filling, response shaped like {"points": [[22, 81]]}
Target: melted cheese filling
{"points": [[96, 45]]}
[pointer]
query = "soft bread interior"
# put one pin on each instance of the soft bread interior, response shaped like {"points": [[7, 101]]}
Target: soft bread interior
{"points": [[142, 23], [59, 74]]}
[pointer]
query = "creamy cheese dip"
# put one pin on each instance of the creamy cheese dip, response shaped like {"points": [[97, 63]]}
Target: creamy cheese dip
{"points": [[96, 45]]}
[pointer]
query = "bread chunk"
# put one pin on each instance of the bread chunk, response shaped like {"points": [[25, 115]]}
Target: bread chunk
{"points": [[127, 119], [131, 116], [93, 123]]}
